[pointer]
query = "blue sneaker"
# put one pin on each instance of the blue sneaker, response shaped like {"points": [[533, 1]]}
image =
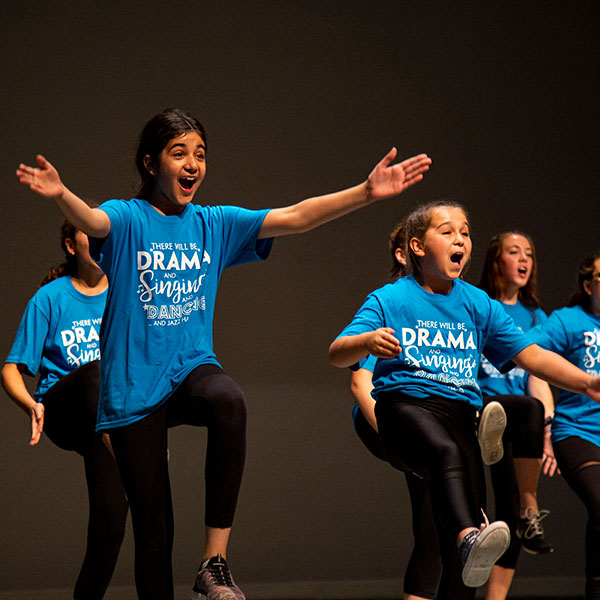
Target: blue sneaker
{"points": [[479, 550]]}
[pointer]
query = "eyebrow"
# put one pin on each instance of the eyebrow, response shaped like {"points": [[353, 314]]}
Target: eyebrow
{"points": [[511, 247], [182, 145], [449, 223]]}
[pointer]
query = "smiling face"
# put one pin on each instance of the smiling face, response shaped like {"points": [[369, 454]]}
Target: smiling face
{"points": [[178, 172], [444, 250], [515, 261]]}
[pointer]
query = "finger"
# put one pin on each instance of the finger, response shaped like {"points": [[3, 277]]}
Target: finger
{"points": [[41, 161], [416, 166], [418, 162], [388, 158]]}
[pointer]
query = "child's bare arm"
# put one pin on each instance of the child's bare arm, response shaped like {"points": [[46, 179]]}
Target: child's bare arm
{"points": [[386, 180], [45, 181]]}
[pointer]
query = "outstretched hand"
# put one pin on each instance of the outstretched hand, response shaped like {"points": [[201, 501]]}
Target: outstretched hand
{"points": [[382, 343], [43, 179], [388, 180], [37, 423]]}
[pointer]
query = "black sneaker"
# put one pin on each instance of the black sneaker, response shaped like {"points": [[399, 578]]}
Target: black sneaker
{"points": [[531, 532], [214, 582]]}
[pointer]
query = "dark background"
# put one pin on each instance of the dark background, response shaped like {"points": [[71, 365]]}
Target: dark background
{"points": [[299, 98]]}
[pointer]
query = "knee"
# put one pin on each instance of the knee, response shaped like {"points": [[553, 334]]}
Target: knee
{"points": [[228, 406], [109, 530]]}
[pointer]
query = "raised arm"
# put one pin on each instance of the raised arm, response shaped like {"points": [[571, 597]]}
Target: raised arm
{"points": [[347, 350], [386, 180], [559, 372], [45, 181], [13, 384]]}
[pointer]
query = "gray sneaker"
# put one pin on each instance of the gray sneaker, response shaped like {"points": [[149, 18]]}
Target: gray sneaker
{"points": [[492, 424], [214, 582]]}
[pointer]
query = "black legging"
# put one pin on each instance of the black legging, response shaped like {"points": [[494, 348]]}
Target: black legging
{"points": [[70, 422], [207, 397], [574, 456], [523, 438], [424, 566], [435, 439]]}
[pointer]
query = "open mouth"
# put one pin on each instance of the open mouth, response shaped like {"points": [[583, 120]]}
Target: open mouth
{"points": [[456, 258], [187, 183], [522, 270]]}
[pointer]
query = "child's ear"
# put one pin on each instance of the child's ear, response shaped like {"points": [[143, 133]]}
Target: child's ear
{"points": [[587, 286], [149, 164], [70, 245], [416, 246]]}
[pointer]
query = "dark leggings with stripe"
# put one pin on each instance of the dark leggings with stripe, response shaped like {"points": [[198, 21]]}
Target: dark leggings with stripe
{"points": [[70, 421], [523, 438], [424, 567], [579, 463], [434, 438], [209, 398]]}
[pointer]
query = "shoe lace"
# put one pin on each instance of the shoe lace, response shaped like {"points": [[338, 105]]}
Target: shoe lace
{"points": [[219, 572], [534, 523]]}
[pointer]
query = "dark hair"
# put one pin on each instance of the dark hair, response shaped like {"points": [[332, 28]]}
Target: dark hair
{"points": [[398, 240], [491, 277], [157, 133], [69, 266], [584, 273], [417, 223]]}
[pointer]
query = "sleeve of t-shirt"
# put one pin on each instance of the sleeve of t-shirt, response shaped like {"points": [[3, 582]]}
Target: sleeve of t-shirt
{"points": [[102, 249], [29, 342], [240, 229], [503, 338], [369, 317], [368, 363], [551, 334]]}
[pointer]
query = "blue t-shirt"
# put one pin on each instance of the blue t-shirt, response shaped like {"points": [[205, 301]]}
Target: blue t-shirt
{"points": [[574, 334], [490, 380], [59, 332], [442, 337], [163, 272]]}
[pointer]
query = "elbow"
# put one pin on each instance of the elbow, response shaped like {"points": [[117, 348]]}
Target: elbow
{"points": [[334, 356]]}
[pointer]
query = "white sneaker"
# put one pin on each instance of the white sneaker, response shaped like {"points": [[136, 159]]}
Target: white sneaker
{"points": [[479, 551], [492, 424]]}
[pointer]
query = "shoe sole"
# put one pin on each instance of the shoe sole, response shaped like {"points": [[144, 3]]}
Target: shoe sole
{"points": [[489, 546], [536, 552], [547, 550], [490, 431], [198, 595]]}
